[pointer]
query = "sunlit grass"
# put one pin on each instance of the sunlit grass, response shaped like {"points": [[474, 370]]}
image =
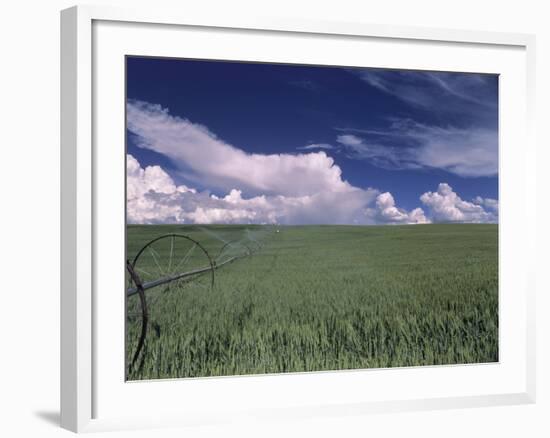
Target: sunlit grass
{"points": [[327, 298]]}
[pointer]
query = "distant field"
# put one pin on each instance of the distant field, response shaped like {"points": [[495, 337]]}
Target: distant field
{"points": [[324, 298]]}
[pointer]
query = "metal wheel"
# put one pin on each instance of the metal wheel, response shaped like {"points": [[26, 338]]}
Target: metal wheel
{"points": [[232, 249], [171, 263]]}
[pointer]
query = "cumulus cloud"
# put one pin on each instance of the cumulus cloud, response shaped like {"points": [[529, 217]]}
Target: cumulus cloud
{"points": [[306, 188], [386, 212], [152, 178], [153, 197], [487, 203], [446, 206], [143, 187], [205, 158], [278, 188]]}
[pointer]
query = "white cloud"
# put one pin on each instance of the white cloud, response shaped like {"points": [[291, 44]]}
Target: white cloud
{"points": [[469, 101], [488, 203], [349, 140], [469, 152], [434, 90], [464, 152], [386, 157], [387, 212], [311, 146], [446, 206], [152, 197], [143, 186], [153, 178], [281, 188], [205, 158]]}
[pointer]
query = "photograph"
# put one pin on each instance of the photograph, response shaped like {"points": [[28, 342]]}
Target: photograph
{"points": [[290, 218]]}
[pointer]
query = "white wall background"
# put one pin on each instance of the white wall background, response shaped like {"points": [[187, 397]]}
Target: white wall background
{"points": [[29, 216]]}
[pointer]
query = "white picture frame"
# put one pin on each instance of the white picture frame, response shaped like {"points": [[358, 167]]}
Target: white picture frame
{"points": [[89, 400]]}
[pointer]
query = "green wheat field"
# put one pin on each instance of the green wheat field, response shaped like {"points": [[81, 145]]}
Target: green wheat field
{"points": [[312, 298]]}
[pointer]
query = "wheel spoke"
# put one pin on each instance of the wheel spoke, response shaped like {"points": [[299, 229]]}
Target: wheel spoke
{"points": [[152, 251], [185, 258], [160, 259], [143, 271], [171, 253]]}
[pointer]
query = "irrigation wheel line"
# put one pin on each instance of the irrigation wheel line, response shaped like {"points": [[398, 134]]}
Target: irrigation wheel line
{"points": [[232, 244], [144, 312], [164, 261]]}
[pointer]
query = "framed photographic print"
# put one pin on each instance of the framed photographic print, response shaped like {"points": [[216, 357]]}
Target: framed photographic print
{"points": [[277, 219]]}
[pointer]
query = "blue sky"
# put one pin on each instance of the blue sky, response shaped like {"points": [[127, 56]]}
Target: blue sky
{"points": [[212, 141]]}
